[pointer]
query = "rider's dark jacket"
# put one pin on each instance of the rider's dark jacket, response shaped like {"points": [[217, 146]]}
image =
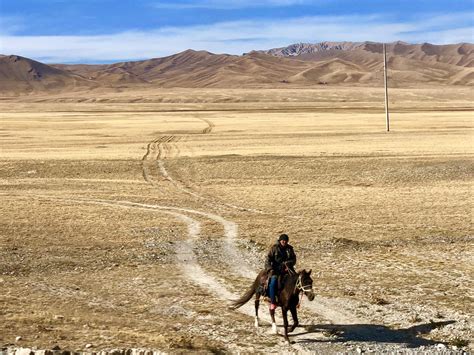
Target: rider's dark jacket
{"points": [[278, 257]]}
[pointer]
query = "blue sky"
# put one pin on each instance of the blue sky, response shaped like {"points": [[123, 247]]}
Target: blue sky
{"points": [[98, 31]]}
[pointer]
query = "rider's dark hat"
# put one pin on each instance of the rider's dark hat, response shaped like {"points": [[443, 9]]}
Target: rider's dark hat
{"points": [[283, 237]]}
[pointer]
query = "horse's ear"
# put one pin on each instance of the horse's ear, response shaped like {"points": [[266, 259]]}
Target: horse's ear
{"points": [[309, 272]]}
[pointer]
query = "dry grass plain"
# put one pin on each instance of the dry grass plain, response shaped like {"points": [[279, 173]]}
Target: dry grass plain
{"points": [[128, 218]]}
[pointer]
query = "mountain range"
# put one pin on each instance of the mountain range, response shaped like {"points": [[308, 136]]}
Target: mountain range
{"points": [[301, 64]]}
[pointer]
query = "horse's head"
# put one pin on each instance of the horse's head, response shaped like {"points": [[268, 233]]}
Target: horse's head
{"points": [[305, 284]]}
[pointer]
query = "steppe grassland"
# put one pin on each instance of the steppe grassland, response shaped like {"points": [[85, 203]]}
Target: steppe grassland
{"points": [[378, 215]]}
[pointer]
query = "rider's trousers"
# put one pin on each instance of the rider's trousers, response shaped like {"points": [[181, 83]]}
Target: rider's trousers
{"points": [[272, 288]]}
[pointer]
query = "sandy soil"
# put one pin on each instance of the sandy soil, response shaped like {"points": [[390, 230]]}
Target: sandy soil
{"points": [[128, 220]]}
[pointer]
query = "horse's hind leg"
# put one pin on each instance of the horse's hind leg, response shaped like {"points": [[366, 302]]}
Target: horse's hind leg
{"points": [[257, 304]]}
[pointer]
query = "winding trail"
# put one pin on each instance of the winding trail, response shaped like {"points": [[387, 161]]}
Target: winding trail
{"points": [[230, 232], [160, 149], [188, 261], [185, 254], [320, 306]]}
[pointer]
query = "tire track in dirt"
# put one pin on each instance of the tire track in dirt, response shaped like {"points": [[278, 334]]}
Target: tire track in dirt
{"points": [[230, 233], [210, 125], [146, 158], [153, 152], [230, 229], [162, 148]]}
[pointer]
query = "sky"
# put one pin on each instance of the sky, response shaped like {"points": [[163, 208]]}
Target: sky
{"points": [[106, 31]]}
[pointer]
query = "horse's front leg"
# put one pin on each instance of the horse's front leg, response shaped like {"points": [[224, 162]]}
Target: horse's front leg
{"points": [[257, 304], [294, 315], [285, 322]]}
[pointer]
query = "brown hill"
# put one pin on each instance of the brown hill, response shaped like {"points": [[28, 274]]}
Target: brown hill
{"points": [[197, 69], [22, 75], [359, 63], [409, 64], [334, 63]]}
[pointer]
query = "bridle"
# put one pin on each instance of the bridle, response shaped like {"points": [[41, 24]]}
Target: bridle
{"points": [[300, 287], [305, 288]]}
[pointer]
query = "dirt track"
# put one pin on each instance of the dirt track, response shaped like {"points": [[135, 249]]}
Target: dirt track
{"points": [[165, 240]]}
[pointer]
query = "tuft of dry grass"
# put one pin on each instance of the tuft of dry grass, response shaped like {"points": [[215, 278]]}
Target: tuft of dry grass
{"points": [[378, 300], [415, 318]]}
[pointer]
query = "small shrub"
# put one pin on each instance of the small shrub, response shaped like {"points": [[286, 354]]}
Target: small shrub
{"points": [[348, 293], [459, 342], [379, 301]]}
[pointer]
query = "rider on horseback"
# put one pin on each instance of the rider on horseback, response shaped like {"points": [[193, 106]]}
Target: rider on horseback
{"points": [[280, 260]]}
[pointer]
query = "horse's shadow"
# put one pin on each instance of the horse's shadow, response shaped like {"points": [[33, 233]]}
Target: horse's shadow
{"points": [[411, 337]]}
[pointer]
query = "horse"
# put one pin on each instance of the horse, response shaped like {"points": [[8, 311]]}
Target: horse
{"points": [[288, 297]]}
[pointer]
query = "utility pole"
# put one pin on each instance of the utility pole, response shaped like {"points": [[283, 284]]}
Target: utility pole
{"points": [[386, 89]]}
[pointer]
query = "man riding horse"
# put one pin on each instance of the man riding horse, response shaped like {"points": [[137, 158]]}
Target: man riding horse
{"points": [[281, 259], [285, 287]]}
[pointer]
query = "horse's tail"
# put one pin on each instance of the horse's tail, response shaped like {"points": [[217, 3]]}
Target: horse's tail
{"points": [[250, 292]]}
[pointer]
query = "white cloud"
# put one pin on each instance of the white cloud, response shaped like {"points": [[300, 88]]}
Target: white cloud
{"points": [[229, 37]]}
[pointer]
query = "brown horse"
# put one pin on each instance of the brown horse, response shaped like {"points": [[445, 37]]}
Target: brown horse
{"points": [[293, 284]]}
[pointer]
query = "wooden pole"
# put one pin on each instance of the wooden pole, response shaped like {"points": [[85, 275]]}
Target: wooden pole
{"points": [[387, 118]]}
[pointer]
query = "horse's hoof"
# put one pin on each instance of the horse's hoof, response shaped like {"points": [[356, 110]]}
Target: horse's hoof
{"points": [[274, 328], [256, 323], [292, 328]]}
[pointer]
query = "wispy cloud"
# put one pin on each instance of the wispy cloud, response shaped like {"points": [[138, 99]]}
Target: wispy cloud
{"points": [[227, 5], [235, 37], [11, 24], [457, 35]]}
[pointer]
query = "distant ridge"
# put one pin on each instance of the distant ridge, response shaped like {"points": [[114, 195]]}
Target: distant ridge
{"points": [[301, 64], [308, 48], [457, 54]]}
